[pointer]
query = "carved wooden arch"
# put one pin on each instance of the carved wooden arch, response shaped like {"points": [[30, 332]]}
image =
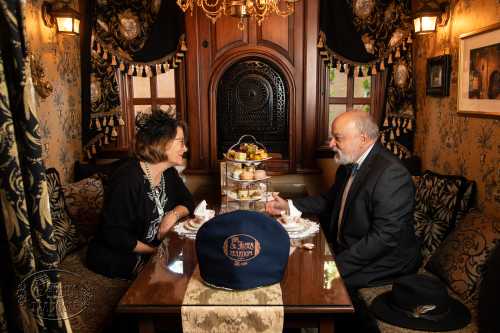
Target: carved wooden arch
{"points": [[284, 66]]}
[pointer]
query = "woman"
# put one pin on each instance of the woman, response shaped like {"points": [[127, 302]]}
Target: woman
{"points": [[146, 197]]}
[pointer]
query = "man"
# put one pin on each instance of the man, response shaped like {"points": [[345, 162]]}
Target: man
{"points": [[369, 207]]}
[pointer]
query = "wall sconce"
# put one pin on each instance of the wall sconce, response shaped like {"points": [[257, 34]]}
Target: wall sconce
{"points": [[66, 19], [428, 17]]}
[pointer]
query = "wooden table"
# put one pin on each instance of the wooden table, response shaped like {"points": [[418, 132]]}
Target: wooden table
{"points": [[313, 295]]}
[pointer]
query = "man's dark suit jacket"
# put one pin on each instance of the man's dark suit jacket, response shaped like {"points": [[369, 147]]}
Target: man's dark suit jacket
{"points": [[377, 237]]}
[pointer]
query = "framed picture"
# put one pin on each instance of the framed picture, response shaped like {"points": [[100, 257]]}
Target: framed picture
{"points": [[479, 72], [438, 75]]}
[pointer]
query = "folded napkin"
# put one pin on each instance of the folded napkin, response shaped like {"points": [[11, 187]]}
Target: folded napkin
{"points": [[202, 212], [294, 212]]}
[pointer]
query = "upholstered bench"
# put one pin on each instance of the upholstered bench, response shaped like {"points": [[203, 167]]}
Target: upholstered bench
{"points": [[456, 242], [75, 212]]}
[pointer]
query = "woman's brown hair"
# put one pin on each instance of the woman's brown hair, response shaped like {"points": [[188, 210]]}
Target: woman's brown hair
{"points": [[154, 132]]}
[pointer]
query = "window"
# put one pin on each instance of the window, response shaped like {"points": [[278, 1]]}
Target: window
{"points": [[139, 94], [342, 92]]}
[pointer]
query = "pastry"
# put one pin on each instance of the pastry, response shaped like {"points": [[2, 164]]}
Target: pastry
{"points": [[240, 156], [237, 173], [246, 175], [243, 194], [260, 174]]}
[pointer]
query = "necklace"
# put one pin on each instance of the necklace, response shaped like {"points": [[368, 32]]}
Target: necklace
{"points": [[155, 189]]}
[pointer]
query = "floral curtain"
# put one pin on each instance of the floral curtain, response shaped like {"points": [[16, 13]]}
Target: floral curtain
{"points": [[366, 37], [136, 38], [31, 298]]}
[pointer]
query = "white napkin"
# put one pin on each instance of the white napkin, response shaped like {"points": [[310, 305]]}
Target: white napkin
{"points": [[294, 212], [201, 209], [202, 212]]}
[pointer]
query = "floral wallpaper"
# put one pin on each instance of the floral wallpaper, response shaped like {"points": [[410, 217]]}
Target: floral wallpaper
{"points": [[60, 112], [447, 142]]}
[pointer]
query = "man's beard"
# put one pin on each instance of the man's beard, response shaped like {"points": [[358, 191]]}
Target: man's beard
{"points": [[342, 158]]}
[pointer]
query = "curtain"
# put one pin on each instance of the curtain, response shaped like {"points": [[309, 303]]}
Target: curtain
{"points": [[30, 298], [135, 38], [371, 37]]}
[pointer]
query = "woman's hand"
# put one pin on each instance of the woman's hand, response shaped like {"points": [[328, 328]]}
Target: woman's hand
{"points": [[277, 205], [166, 224]]}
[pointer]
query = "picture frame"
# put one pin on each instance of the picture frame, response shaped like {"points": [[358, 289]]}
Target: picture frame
{"points": [[438, 76], [479, 72]]}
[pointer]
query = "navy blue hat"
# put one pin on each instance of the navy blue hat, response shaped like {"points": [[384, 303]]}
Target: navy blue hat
{"points": [[242, 250]]}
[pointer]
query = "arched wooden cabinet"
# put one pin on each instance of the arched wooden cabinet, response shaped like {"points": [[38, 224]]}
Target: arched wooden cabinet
{"points": [[262, 80]]}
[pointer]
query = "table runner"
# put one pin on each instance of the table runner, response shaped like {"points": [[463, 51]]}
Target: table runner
{"points": [[262, 311]]}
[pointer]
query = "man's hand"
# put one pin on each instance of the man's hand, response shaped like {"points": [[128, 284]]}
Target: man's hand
{"points": [[277, 205]]}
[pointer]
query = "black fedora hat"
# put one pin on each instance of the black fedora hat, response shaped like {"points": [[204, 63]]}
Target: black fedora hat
{"points": [[420, 302]]}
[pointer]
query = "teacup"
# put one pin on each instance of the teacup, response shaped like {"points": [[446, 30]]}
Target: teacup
{"points": [[287, 219]]}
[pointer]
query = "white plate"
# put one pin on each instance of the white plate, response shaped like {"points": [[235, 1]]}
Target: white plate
{"points": [[248, 180], [293, 227], [247, 161]]}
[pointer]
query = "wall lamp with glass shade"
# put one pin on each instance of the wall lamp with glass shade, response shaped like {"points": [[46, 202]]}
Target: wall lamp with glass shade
{"points": [[66, 19], [431, 15]]}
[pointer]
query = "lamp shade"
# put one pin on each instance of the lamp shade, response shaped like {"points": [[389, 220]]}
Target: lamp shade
{"points": [[66, 19]]}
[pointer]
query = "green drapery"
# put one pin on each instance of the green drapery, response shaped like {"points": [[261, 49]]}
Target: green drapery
{"points": [[365, 37], [133, 37], [31, 294]]}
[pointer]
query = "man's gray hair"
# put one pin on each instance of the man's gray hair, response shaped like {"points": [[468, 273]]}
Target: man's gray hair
{"points": [[366, 125]]}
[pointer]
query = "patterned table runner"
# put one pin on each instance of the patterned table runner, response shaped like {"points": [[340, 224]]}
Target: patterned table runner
{"points": [[262, 311]]}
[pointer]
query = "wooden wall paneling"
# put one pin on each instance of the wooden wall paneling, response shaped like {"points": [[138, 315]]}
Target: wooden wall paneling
{"points": [[276, 32], [309, 116], [198, 59], [227, 35]]}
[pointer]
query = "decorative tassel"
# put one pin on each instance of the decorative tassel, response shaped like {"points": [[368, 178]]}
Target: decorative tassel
{"points": [[106, 131], [106, 141], [400, 154], [97, 124], [382, 139], [105, 55], [320, 44], [394, 150], [143, 73], [98, 48], [410, 125], [111, 121], [386, 122], [147, 70], [394, 122], [398, 53], [113, 61], [89, 155], [104, 121], [374, 69], [122, 66], [404, 46], [389, 60], [398, 133], [90, 123], [391, 136], [94, 151], [382, 65], [114, 134], [183, 46], [360, 71], [409, 40], [120, 121]]}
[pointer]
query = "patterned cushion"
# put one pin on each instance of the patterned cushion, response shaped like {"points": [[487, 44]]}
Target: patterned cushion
{"points": [[84, 200], [461, 258], [65, 233], [437, 200]]}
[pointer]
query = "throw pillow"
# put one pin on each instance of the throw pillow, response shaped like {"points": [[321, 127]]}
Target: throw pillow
{"points": [[437, 199], [65, 233], [461, 258], [84, 200]]}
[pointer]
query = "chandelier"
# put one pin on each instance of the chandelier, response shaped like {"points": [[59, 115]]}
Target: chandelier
{"points": [[242, 9]]}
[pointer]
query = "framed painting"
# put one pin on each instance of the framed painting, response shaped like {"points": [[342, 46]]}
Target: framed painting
{"points": [[479, 72], [438, 76]]}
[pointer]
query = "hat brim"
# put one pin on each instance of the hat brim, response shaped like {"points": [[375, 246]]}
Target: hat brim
{"points": [[458, 316]]}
